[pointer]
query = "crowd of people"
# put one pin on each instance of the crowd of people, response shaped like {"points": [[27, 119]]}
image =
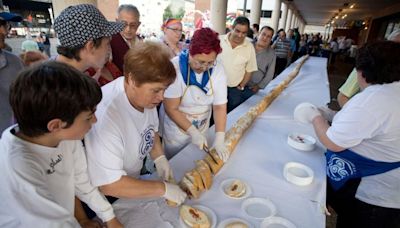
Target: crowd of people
{"points": [[84, 125]]}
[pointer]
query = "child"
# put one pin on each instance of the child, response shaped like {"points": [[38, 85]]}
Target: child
{"points": [[42, 160]]}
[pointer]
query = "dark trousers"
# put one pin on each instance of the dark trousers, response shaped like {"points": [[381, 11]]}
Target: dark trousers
{"points": [[236, 97], [280, 65], [355, 213]]}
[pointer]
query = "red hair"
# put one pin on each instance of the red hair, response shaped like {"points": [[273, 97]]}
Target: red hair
{"points": [[204, 41]]}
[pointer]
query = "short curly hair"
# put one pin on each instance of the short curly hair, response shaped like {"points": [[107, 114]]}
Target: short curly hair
{"points": [[379, 62], [204, 41]]}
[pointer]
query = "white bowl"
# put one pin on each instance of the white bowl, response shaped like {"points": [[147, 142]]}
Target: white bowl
{"points": [[277, 222], [298, 173], [259, 208], [301, 141], [224, 223]]}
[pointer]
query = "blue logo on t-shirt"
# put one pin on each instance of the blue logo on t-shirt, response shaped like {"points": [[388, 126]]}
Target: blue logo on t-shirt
{"points": [[147, 142]]}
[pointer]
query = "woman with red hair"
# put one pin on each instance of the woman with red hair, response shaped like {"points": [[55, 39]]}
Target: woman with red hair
{"points": [[199, 89]]}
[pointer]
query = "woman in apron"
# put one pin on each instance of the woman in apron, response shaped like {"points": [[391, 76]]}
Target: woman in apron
{"points": [[363, 142], [199, 90]]}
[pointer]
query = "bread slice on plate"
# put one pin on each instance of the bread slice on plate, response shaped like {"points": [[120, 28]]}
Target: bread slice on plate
{"points": [[189, 188], [193, 217], [205, 173], [236, 189], [236, 225]]}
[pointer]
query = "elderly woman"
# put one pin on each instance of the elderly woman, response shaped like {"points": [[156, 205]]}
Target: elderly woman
{"points": [[200, 88], [172, 29], [363, 156]]}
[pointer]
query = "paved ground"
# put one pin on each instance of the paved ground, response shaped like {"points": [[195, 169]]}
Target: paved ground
{"points": [[15, 44]]}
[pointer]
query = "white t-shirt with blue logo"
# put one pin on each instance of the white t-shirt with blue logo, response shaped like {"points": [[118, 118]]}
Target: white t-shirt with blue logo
{"points": [[121, 138]]}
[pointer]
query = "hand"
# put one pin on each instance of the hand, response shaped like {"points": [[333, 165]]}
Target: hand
{"points": [[198, 138], [219, 145], [87, 223], [174, 193], [239, 87], [114, 223], [255, 88], [163, 168], [327, 113], [306, 112]]}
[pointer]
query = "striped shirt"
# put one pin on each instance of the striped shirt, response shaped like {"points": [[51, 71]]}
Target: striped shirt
{"points": [[282, 48]]}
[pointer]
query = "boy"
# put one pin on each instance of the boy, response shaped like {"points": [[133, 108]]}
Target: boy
{"points": [[42, 160]]}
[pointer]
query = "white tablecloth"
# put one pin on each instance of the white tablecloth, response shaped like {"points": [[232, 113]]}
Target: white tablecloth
{"points": [[262, 152]]}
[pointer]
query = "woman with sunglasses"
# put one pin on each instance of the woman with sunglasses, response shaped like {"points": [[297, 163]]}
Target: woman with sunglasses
{"points": [[172, 29], [199, 89]]}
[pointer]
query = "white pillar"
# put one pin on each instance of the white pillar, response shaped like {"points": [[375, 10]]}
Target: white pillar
{"points": [[275, 14], [292, 21], [289, 19], [296, 20], [282, 23], [255, 12], [218, 15], [59, 6]]}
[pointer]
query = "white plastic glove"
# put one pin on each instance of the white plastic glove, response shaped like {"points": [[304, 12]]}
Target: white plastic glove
{"points": [[327, 113], [198, 138], [174, 193], [163, 168], [306, 112], [219, 145]]}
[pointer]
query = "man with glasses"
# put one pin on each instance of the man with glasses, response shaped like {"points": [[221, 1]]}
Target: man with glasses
{"points": [[10, 65], [123, 41], [239, 60]]}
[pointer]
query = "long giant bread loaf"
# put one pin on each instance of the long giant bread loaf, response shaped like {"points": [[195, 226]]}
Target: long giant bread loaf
{"points": [[212, 163]]}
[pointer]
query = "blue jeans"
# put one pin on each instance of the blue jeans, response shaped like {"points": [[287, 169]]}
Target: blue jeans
{"points": [[236, 97]]}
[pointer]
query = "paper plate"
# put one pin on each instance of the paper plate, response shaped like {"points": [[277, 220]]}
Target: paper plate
{"points": [[224, 223], [259, 208], [210, 213], [298, 173], [275, 222], [224, 184], [301, 141]]}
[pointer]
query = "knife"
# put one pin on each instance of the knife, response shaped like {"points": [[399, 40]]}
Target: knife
{"points": [[205, 148]]}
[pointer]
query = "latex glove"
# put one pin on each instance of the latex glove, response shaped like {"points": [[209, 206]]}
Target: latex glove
{"points": [[219, 145], [306, 112], [163, 168], [198, 138], [327, 113], [174, 193]]}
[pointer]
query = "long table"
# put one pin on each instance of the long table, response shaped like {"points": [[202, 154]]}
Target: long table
{"points": [[263, 151]]}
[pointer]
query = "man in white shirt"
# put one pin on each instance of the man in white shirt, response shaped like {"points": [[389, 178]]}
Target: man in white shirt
{"points": [[239, 60]]}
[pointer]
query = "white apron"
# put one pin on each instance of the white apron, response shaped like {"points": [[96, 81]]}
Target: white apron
{"points": [[196, 105]]}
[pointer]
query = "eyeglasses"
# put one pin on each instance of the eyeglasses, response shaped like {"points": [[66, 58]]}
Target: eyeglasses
{"points": [[133, 25], [204, 64], [177, 31]]}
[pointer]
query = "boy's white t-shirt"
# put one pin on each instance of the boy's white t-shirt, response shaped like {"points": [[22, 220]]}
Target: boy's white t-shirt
{"points": [[39, 183], [122, 137], [369, 125]]}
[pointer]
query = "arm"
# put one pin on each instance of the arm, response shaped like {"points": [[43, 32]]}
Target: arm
{"points": [[80, 215], [171, 106], [342, 99], [246, 78], [86, 191], [129, 187], [219, 117], [157, 150], [320, 127]]}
